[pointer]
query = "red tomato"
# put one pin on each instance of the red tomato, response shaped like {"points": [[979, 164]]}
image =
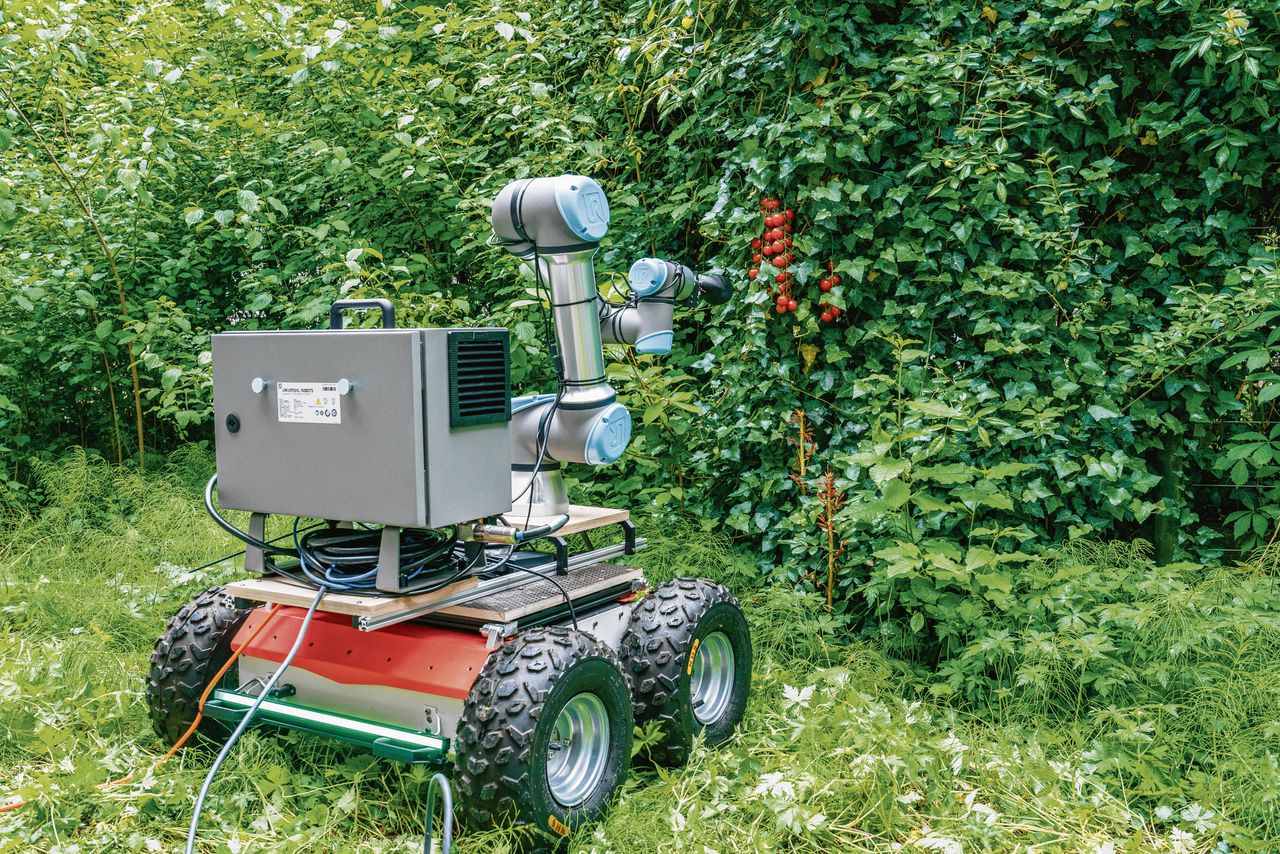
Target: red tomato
{"points": [[779, 261], [827, 317], [824, 285], [792, 305], [752, 273], [755, 244]]}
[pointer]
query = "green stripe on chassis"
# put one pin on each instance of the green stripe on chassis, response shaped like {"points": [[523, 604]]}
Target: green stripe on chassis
{"points": [[393, 742]]}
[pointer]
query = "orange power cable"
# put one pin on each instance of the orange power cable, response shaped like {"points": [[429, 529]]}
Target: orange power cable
{"points": [[271, 612]]}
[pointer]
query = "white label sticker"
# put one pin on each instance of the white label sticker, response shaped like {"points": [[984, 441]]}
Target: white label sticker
{"points": [[309, 403]]}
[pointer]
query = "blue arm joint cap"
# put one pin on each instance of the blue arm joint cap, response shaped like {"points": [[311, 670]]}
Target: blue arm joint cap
{"points": [[647, 276], [609, 435], [654, 344], [583, 206]]}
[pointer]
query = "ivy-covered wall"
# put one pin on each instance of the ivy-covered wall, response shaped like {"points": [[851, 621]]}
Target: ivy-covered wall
{"points": [[1047, 232]]}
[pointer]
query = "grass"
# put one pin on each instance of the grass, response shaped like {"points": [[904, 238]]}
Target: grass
{"points": [[842, 749]]}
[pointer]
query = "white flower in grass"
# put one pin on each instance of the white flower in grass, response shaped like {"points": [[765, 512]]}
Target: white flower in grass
{"points": [[945, 844], [797, 696], [1107, 847], [987, 814], [1200, 818], [773, 786], [862, 766], [1181, 842], [1163, 813]]}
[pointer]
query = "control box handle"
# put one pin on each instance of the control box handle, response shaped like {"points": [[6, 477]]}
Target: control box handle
{"points": [[388, 312]]}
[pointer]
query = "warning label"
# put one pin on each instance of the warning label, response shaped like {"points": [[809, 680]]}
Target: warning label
{"points": [[309, 403]]}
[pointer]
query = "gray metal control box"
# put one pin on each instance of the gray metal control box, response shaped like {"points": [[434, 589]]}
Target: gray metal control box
{"points": [[400, 427]]}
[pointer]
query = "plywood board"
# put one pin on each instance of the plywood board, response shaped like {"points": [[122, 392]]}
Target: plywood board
{"points": [[581, 519], [285, 592]]}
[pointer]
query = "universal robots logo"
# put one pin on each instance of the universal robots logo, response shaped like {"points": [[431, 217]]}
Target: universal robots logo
{"points": [[594, 204]]}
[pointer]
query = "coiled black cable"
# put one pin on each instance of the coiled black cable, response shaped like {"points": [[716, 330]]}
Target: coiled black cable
{"points": [[346, 560]]}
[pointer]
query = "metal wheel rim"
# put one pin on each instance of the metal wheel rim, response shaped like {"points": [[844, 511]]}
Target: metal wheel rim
{"points": [[579, 750], [711, 683]]}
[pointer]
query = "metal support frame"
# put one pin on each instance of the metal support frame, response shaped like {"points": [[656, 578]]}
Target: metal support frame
{"points": [[393, 742], [388, 579], [513, 578], [562, 554], [254, 558]]}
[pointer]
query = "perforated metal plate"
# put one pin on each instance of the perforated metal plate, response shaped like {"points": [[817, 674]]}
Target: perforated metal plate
{"points": [[539, 595]]}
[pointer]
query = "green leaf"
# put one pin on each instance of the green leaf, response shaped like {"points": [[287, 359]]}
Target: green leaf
{"points": [[896, 493], [934, 408]]}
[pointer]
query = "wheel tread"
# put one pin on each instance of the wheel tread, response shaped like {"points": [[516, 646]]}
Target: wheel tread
{"points": [[501, 714], [195, 644], [654, 648]]}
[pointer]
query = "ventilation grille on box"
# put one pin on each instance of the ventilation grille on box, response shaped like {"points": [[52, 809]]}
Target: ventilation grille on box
{"points": [[479, 378]]}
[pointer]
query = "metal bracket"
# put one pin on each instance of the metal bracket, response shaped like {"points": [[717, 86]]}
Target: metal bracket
{"points": [[628, 537], [431, 720], [388, 579], [562, 554], [495, 633], [254, 559]]}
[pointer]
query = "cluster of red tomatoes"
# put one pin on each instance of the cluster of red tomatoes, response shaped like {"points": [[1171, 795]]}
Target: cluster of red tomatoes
{"points": [[773, 249], [830, 313]]}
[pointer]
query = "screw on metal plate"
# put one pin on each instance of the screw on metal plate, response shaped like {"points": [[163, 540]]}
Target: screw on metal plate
{"points": [[259, 385], [344, 386], [233, 423]]}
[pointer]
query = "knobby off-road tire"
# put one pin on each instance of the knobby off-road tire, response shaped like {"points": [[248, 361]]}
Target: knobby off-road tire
{"points": [[551, 702], [194, 646], [687, 656]]}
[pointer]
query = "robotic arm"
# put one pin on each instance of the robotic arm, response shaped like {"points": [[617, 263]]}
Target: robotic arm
{"points": [[657, 286], [554, 225]]}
